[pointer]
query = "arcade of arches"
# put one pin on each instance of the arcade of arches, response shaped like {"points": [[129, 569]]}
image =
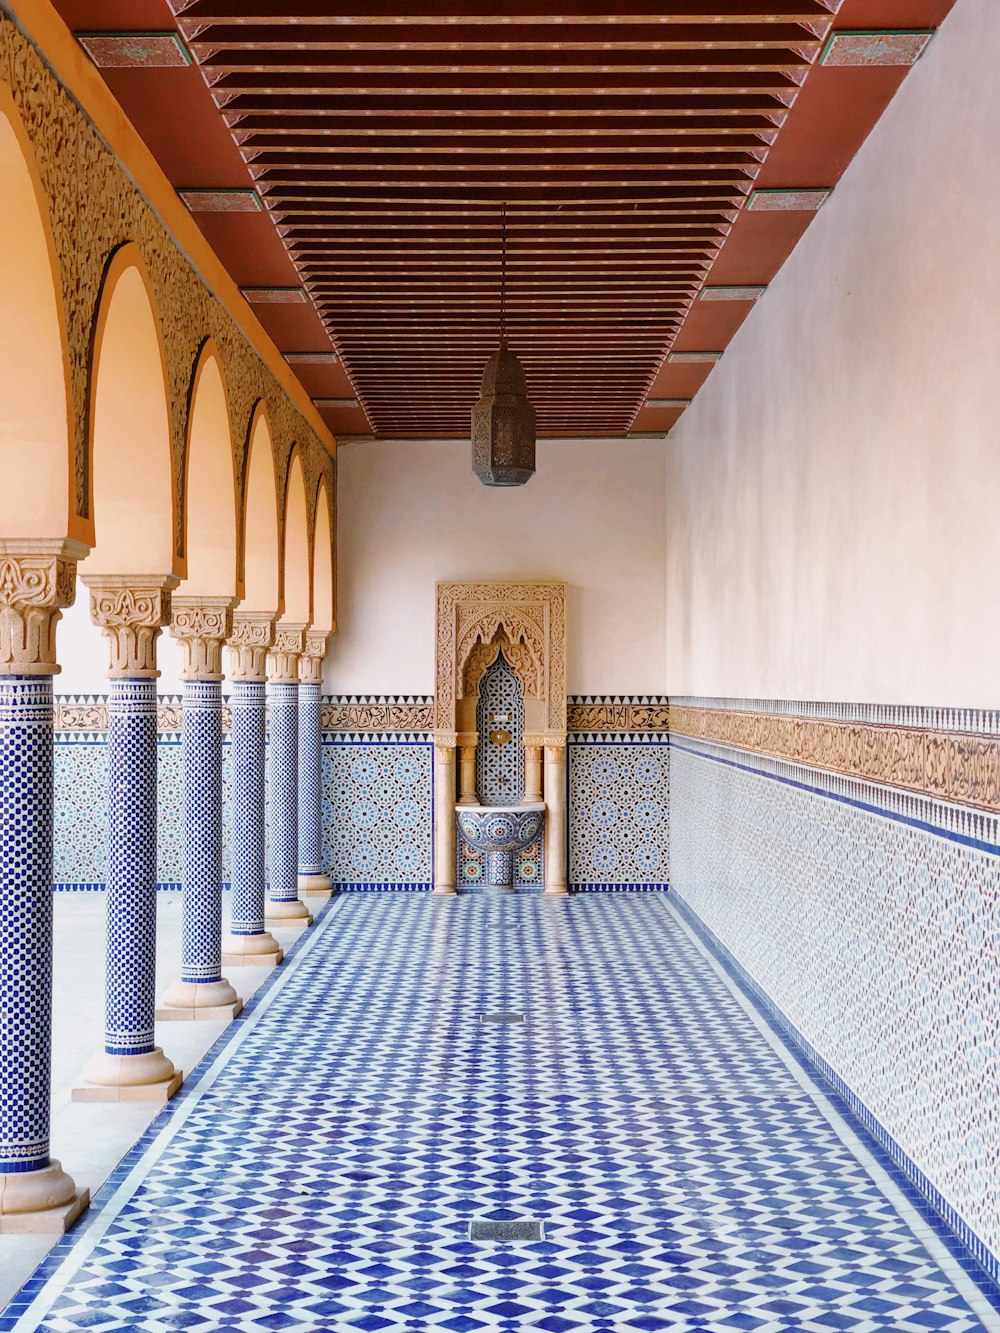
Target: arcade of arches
{"points": [[577, 905]]}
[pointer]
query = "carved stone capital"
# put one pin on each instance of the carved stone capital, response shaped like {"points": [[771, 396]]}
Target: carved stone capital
{"points": [[252, 635], [283, 659], [313, 657], [131, 609], [37, 579], [202, 625]]}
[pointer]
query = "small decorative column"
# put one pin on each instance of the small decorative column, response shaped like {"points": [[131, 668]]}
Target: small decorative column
{"points": [[532, 773], [555, 800], [467, 769], [248, 944], [201, 625], [445, 830], [131, 611], [311, 876], [284, 907], [37, 579]]}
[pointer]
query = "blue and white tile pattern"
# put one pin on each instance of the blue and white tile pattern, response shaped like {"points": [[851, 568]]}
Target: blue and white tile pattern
{"points": [[323, 1170]]}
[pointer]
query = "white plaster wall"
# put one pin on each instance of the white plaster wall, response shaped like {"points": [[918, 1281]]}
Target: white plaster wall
{"points": [[410, 515], [832, 495]]}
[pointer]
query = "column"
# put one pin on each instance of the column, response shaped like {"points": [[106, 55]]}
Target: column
{"points": [[555, 838], [284, 907], [467, 770], [532, 773], [311, 876], [37, 579], [202, 625], [131, 610], [445, 830], [248, 944]]}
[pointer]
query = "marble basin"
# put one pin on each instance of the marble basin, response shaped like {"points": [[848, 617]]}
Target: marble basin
{"points": [[499, 831]]}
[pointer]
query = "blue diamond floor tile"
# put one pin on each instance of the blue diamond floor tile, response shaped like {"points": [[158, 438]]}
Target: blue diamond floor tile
{"points": [[322, 1169]]}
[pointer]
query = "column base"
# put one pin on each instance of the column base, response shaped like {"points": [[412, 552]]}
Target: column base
{"points": [[288, 912], [211, 1000], [320, 886], [444, 891], [556, 891], [149, 1077], [261, 950], [40, 1203]]}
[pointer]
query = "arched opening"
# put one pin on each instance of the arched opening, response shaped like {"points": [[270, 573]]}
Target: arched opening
{"points": [[260, 529], [297, 582], [211, 487], [36, 458], [130, 430], [323, 558]]}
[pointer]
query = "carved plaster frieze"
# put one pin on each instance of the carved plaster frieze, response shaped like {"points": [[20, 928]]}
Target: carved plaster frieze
{"points": [[131, 610], [619, 716], [202, 625], [249, 642], [37, 581], [313, 657], [283, 658]]}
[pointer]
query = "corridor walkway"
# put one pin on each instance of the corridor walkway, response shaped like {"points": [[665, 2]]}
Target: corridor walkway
{"points": [[378, 1096]]}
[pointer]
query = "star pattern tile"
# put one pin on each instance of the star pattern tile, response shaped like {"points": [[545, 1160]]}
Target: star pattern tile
{"points": [[323, 1170]]}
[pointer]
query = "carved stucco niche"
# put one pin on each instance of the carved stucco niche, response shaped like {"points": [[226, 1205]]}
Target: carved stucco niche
{"points": [[474, 621]]}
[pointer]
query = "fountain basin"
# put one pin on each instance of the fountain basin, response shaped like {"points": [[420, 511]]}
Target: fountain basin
{"points": [[499, 831]]}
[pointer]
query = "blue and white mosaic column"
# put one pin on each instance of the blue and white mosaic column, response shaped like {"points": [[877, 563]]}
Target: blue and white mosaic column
{"points": [[311, 876], [248, 943], [131, 612], [202, 625], [283, 902], [35, 1193]]}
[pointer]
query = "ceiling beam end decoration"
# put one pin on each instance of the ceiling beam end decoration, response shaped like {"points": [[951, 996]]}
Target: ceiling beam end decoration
{"points": [[274, 295], [135, 50], [787, 201], [221, 201], [693, 358], [750, 293], [311, 358], [875, 49], [668, 402]]}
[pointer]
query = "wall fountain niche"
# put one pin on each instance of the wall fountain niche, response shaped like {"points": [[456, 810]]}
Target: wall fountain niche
{"points": [[500, 735]]}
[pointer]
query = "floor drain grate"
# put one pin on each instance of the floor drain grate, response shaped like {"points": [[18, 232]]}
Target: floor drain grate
{"points": [[521, 1229], [501, 1018]]}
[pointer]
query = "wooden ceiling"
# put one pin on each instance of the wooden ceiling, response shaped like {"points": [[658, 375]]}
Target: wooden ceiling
{"points": [[409, 153]]}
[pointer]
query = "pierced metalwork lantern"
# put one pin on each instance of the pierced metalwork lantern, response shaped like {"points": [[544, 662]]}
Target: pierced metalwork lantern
{"points": [[503, 424]]}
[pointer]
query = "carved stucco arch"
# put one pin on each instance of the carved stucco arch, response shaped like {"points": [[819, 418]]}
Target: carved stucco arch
{"points": [[75, 168], [519, 640]]}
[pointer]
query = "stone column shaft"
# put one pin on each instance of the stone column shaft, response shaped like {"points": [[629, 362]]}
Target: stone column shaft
{"points": [[202, 625], [445, 829], [312, 878], [284, 905], [37, 579], [467, 774], [131, 611], [248, 943], [555, 839], [532, 773]]}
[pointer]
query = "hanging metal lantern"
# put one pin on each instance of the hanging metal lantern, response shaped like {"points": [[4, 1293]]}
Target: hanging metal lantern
{"points": [[503, 424]]}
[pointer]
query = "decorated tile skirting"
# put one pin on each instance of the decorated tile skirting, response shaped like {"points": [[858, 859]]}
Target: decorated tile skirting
{"points": [[947, 754], [619, 790], [867, 916]]}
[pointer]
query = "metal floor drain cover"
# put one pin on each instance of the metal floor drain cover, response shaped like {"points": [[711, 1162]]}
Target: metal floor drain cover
{"points": [[501, 1018], [521, 1229]]}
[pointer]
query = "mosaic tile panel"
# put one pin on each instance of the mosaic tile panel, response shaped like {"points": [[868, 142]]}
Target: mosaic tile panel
{"points": [[377, 823], [875, 934], [323, 1168], [500, 725], [618, 815], [529, 867]]}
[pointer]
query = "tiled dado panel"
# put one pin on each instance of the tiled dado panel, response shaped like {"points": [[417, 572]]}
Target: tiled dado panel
{"points": [[619, 786], [869, 919]]}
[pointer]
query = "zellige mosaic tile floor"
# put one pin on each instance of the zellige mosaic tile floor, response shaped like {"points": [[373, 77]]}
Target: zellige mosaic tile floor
{"points": [[323, 1170]]}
